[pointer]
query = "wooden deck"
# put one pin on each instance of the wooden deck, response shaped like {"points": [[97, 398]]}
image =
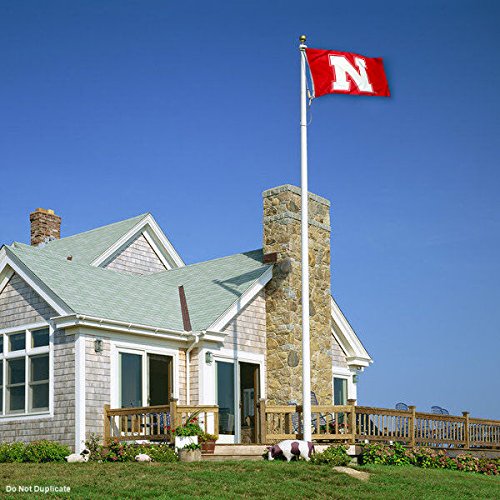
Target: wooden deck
{"points": [[351, 424], [347, 424]]}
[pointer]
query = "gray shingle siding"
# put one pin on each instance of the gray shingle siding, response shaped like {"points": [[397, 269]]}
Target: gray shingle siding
{"points": [[97, 384], [137, 258], [338, 355], [20, 305]]}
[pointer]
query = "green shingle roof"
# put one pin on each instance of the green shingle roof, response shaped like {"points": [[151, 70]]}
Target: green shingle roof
{"points": [[86, 247], [211, 287]]}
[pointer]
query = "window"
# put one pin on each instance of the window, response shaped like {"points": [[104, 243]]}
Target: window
{"points": [[339, 391], [144, 379], [24, 371]]}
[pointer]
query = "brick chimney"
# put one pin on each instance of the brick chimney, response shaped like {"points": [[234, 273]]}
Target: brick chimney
{"points": [[283, 296], [45, 226]]}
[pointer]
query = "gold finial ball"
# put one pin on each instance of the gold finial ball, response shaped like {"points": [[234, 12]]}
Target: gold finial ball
{"points": [[302, 39]]}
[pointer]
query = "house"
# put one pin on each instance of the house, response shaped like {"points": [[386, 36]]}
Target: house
{"points": [[114, 316]]}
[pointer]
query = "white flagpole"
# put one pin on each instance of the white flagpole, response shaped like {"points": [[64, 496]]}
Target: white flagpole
{"points": [[306, 354]]}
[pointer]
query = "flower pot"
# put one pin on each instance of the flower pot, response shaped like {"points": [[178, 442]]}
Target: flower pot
{"points": [[189, 455], [182, 441], [208, 447]]}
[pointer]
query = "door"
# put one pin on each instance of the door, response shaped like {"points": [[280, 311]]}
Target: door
{"points": [[226, 400], [249, 398], [159, 379], [130, 380], [145, 379]]}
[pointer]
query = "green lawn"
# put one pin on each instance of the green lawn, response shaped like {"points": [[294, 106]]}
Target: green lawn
{"points": [[249, 479]]}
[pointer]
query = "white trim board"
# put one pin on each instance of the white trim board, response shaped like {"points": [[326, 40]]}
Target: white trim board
{"points": [[155, 237], [41, 289], [80, 406], [346, 337]]}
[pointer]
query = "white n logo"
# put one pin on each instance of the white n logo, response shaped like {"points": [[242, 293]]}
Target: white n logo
{"points": [[342, 67]]}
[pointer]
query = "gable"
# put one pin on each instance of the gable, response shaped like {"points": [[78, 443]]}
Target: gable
{"points": [[137, 258], [21, 305], [338, 355]]}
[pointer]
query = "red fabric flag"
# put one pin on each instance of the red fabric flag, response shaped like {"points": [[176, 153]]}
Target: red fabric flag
{"points": [[336, 72]]}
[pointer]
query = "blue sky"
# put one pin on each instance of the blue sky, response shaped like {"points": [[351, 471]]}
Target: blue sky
{"points": [[190, 110]]}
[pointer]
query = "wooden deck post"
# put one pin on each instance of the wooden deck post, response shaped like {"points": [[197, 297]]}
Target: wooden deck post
{"points": [[173, 414], [412, 426], [262, 422], [107, 426], [466, 429], [352, 419]]}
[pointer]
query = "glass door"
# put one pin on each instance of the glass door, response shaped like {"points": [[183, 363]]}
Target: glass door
{"points": [[249, 397], [130, 380], [225, 399], [159, 379]]}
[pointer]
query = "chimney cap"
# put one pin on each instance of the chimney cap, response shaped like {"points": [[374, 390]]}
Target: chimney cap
{"points": [[45, 211]]}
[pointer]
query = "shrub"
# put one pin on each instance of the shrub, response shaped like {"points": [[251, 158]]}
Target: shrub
{"points": [[119, 452], [427, 458], [158, 452], [35, 452], [46, 451], [333, 455]]}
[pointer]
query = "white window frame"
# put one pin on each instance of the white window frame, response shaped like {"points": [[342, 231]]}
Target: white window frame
{"points": [[347, 374], [26, 353], [143, 350]]}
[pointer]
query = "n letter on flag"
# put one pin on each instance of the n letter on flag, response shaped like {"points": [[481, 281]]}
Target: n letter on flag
{"points": [[345, 73]]}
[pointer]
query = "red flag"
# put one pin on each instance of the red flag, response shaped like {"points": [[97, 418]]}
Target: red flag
{"points": [[336, 72]]}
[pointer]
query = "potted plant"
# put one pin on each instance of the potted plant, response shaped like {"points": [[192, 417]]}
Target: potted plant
{"points": [[190, 453], [207, 442], [187, 434]]}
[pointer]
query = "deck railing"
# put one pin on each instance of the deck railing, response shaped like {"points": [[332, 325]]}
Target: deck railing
{"points": [[156, 423], [352, 424]]}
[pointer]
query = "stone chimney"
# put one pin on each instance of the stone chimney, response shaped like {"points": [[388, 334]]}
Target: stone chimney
{"points": [[45, 226], [283, 296]]}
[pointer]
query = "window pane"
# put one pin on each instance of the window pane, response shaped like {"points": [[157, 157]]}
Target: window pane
{"points": [[1, 344], [131, 379], [1, 380], [16, 398], [225, 397], [17, 342], [40, 338], [39, 368], [339, 391], [39, 397], [16, 371]]}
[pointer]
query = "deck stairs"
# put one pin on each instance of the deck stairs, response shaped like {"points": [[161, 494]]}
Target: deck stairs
{"points": [[242, 452]]}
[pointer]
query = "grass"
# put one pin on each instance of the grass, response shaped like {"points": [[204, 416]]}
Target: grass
{"points": [[247, 479]]}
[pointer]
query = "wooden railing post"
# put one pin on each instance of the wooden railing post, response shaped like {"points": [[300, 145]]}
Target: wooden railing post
{"points": [[262, 422], [466, 429], [216, 422], [173, 414], [107, 426], [352, 419], [412, 426]]}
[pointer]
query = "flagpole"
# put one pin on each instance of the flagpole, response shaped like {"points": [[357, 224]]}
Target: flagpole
{"points": [[306, 354]]}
